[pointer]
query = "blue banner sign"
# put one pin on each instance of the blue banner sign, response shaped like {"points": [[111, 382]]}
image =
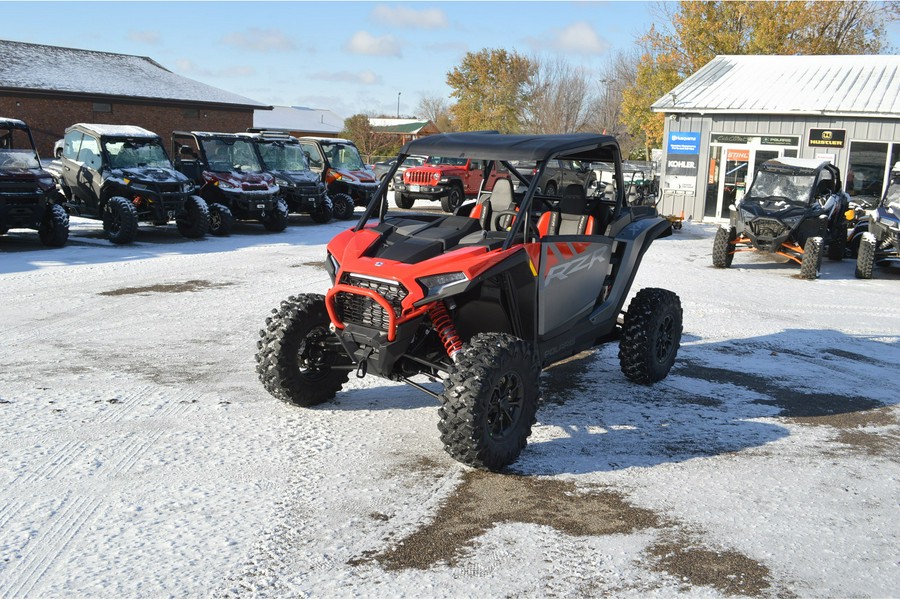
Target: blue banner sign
{"points": [[684, 142]]}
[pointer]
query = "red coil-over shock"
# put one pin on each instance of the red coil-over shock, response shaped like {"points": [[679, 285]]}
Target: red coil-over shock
{"points": [[445, 328]]}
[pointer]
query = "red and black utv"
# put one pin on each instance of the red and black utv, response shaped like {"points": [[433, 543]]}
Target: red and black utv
{"points": [[480, 300]]}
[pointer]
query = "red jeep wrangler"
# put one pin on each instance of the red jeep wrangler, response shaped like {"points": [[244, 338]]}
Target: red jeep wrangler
{"points": [[450, 180]]}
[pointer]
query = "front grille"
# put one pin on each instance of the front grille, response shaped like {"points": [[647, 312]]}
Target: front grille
{"points": [[768, 228], [355, 308], [253, 187], [23, 188], [420, 177]]}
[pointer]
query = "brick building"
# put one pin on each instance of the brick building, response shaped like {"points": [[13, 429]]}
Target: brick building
{"points": [[50, 88]]}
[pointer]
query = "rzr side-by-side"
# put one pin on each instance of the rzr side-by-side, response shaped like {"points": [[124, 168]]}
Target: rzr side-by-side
{"points": [[121, 175], [227, 169], [880, 244], [29, 198], [794, 208], [480, 300]]}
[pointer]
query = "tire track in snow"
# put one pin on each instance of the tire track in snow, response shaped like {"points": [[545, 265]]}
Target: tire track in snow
{"points": [[43, 551]]}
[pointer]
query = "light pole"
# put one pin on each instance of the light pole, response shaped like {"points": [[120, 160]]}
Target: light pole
{"points": [[398, 104]]}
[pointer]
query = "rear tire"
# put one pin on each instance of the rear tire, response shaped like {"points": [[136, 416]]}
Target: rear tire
{"points": [[723, 250], [489, 401], [120, 220], [296, 356], [193, 218], [651, 335], [403, 201], [342, 206], [865, 260], [54, 230], [811, 263], [277, 220], [220, 220]]}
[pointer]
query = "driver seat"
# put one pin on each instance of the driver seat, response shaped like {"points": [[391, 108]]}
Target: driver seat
{"points": [[501, 198], [572, 217]]}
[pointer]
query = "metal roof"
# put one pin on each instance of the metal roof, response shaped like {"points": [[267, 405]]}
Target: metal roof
{"points": [[53, 69], [858, 85]]}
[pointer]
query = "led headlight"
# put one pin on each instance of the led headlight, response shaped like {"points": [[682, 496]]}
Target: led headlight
{"points": [[792, 221], [282, 182], [332, 266], [226, 185], [444, 284]]}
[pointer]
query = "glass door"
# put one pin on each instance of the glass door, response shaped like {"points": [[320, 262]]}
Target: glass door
{"points": [[732, 178]]}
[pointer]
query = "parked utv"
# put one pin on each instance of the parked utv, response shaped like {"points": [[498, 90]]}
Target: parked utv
{"points": [[29, 198], [231, 179], [481, 300], [303, 191], [794, 208], [121, 174], [880, 245], [349, 181]]}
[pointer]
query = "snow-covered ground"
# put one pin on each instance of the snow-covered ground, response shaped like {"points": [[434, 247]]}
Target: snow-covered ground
{"points": [[142, 458]]}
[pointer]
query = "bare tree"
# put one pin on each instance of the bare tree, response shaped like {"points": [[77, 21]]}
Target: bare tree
{"points": [[605, 114], [559, 98], [436, 110]]}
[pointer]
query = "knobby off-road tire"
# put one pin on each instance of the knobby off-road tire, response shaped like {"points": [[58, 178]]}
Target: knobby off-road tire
{"points": [[837, 242], [452, 200], [865, 259], [220, 220], [54, 230], [294, 362], [723, 250], [342, 206], [402, 200], [489, 401], [120, 220], [811, 262], [651, 335], [193, 218], [277, 220], [321, 214]]}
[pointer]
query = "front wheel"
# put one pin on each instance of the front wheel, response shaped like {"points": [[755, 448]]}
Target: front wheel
{"points": [[54, 230], [322, 213], [865, 259], [811, 263], [120, 220], [298, 358], [402, 200], [453, 200], [651, 335], [277, 219], [489, 401], [723, 249], [342, 206], [193, 218], [220, 219]]}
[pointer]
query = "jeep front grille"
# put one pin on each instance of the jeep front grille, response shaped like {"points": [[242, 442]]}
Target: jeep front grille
{"points": [[419, 177], [768, 228], [362, 310]]}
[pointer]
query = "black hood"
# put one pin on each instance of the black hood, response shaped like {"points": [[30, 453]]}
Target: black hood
{"points": [[297, 177], [151, 174], [776, 208]]}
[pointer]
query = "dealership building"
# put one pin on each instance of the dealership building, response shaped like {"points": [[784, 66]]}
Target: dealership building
{"points": [[736, 112]]}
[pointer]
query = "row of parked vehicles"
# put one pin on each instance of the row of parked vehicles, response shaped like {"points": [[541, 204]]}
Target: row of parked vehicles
{"points": [[123, 176], [797, 209]]}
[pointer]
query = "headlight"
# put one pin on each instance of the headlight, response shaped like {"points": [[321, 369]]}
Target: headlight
{"points": [[332, 266], [187, 187], [225, 185], [792, 221], [282, 182], [747, 216], [444, 284]]}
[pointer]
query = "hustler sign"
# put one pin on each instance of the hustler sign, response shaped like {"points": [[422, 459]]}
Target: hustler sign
{"points": [[827, 138]]}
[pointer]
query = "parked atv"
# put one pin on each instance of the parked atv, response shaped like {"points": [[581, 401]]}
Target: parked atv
{"points": [[880, 245], [794, 208], [481, 300], [121, 174], [29, 198], [349, 181], [282, 156], [231, 180]]}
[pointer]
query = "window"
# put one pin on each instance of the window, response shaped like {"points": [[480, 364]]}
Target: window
{"points": [[89, 154], [72, 144], [102, 107], [191, 113], [866, 170]]}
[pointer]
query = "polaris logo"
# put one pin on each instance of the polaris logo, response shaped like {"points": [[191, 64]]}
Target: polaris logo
{"points": [[579, 263]]}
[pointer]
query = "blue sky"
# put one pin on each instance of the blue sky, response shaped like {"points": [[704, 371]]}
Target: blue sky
{"points": [[349, 57]]}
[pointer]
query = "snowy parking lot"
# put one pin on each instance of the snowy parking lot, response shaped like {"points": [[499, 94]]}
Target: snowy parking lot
{"points": [[143, 458]]}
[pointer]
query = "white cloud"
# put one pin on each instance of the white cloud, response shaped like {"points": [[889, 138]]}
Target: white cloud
{"points": [[364, 42], [260, 40], [363, 77], [578, 38], [144, 37], [402, 16]]}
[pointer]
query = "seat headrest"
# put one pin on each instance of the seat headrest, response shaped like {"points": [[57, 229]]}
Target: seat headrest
{"points": [[574, 200]]}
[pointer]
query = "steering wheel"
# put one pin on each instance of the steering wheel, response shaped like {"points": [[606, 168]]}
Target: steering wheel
{"points": [[513, 213]]}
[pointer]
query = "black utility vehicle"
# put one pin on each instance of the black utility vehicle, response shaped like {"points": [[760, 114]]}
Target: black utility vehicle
{"points": [[29, 198], [231, 179], [349, 181], [794, 208], [880, 245], [481, 300], [282, 156], [121, 175]]}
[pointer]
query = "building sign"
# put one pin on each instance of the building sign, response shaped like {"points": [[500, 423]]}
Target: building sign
{"points": [[780, 140], [684, 142], [738, 155], [728, 138], [827, 138]]}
